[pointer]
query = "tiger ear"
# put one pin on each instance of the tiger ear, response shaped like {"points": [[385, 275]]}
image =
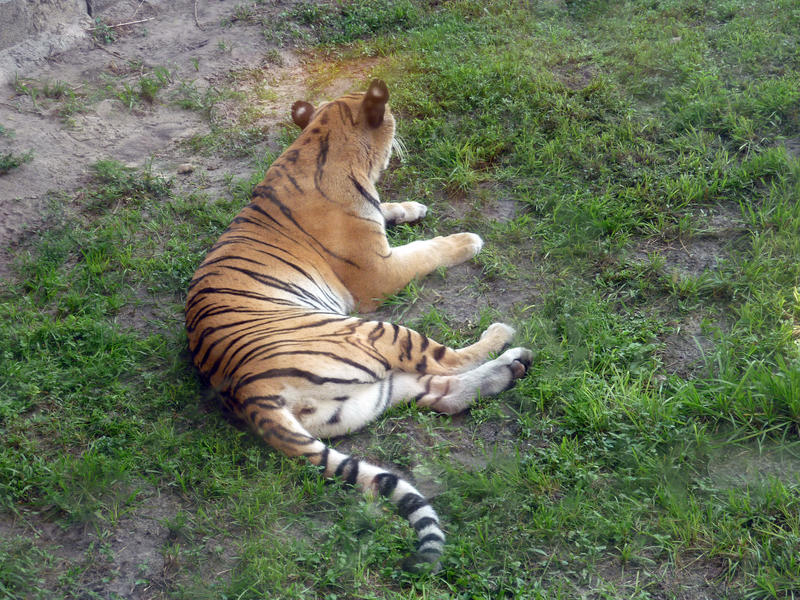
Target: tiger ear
{"points": [[374, 104], [302, 113]]}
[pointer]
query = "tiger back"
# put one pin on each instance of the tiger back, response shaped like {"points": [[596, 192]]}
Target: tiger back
{"points": [[268, 310]]}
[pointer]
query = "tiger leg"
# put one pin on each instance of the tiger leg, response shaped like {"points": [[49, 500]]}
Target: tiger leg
{"points": [[395, 267], [453, 394], [272, 420], [405, 349], [357, 405], [395, 213]]}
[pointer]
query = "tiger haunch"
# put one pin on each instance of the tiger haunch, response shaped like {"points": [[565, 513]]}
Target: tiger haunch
{"points": [[267, 310]]}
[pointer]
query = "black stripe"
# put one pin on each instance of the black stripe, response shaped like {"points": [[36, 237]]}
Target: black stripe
{"points": [[323, 461], [322, 158], [439, 353], [386, 482], [410, 503], [407, 346], [389, 392], [353, 475], [290, 372], [376, 333], [422, 365], [426, 391], [350, 465], [364, 193], [285, 173], [267, 402], [431, 537], [424, 522], [330, 355], [425, 342], [291, 436], [335, 417], [344, 111]]}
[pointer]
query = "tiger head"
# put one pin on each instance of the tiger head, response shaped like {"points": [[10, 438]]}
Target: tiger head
{"points": [[361, 121]]}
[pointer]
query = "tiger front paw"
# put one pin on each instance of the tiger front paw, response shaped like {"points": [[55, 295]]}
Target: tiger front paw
{"points": [[465, 246], [413, 211], [403, 212]]}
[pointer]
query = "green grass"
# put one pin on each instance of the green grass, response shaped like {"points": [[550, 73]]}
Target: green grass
{"points": [[644, 149], [11, 160]]}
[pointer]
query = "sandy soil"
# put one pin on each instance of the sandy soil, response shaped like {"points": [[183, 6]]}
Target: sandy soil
{"points": [[63, 150]]}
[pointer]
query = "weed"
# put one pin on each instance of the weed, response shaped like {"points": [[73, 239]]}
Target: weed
{"points": [[102, 33], [145, 89], [10, 160]]}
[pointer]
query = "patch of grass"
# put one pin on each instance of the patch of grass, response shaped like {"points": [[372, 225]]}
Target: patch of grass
{"points": [[145, 89], [23, 566], [102, 33], [11, 160], [344, 22], [623, 134], [67, 99]]}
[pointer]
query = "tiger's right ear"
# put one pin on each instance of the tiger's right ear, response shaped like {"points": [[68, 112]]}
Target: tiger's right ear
{"points": [[374, 104], [302, 113]]}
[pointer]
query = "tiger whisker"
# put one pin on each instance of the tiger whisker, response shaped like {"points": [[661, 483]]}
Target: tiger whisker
{"points": [[399, 148]]}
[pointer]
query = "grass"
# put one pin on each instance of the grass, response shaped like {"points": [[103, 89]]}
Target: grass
{"points": [[643, 147], [11, 160]]}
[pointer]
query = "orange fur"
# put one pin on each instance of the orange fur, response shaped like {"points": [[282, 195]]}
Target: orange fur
{"points": [[267, 310]]}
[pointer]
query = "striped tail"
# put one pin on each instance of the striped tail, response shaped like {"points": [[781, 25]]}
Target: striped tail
{"points": [[410, 503], [281, 430]]}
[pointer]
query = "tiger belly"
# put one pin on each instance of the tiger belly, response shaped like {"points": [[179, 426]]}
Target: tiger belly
{"points": [[333, 410]]}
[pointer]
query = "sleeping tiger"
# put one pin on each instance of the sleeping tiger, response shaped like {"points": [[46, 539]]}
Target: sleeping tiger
{"points": [[267, 311]]}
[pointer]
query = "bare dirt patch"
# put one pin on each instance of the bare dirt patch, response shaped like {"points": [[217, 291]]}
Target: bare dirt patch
{"points": [[126, 560], [719, 232], [686, 346], [574, 74], [749, 465], [107, 122], [694, 579]]}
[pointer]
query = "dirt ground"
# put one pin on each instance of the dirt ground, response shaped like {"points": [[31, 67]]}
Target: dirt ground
{"points": [[202, 52]]}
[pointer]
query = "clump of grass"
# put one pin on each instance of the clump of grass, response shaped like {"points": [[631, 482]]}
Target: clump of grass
{"points": [[346, 22], [146, 88], [189, 97], [119, 181], [11, 160], [102, 33], [67, 98]]}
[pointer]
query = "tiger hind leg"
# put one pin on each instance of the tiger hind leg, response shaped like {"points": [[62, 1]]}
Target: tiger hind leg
{"points": [[362, 404], [452, 394]]}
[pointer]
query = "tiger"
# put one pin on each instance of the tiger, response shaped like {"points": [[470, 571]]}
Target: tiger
{"points": [[269, 311]]}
